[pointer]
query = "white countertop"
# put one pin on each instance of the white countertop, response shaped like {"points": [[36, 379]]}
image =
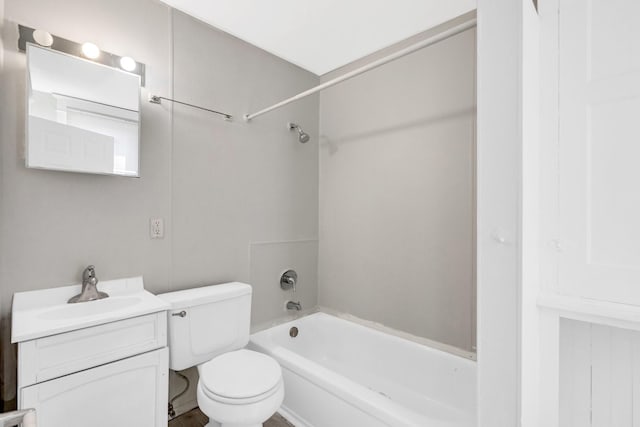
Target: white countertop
{"points": [[36, 314]]}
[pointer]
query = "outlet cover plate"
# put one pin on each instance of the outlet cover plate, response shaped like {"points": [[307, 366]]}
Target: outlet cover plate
{"points": [[156, 228]]}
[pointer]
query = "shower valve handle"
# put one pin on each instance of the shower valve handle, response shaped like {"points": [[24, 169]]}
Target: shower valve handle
{"points": [[288, 280]]}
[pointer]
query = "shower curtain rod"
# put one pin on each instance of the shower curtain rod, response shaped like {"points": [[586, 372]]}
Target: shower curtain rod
{"points": [[392, 57]]}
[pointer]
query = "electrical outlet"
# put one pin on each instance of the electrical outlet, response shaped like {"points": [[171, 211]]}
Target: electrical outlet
{"points": [[156, 228]]}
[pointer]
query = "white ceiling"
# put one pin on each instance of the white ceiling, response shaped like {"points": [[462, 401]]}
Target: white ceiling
{"points": [[322, 35]]}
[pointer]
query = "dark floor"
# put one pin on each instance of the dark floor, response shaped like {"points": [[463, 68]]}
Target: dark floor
{"points": [[196, 418]]}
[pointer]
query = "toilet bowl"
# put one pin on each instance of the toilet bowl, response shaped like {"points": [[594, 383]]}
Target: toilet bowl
{"points": [[240, 388], [208, 328]]}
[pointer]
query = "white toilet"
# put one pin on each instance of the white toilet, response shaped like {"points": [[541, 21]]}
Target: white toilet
{"points": [[208, 328]]}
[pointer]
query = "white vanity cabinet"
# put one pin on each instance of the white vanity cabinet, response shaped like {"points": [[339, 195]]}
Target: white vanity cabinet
{"points": [[99, 364], [114, 374], [129, 392]]}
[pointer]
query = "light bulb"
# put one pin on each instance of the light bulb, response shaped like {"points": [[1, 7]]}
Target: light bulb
{"points": [[90, 50], [43, 38], [127, 63]]}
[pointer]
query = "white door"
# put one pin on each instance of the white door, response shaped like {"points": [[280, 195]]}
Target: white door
{"points": [[128, 393], [599, 149]]}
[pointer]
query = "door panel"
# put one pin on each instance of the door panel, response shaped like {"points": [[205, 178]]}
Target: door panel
{"points": [[599, 149]]}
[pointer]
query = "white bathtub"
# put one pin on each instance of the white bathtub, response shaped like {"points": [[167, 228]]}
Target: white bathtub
{"points": [[340, 373]]}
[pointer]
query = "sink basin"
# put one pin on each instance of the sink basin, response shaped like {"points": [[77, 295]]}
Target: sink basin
{"points": [[91, 308], [45, 312]]}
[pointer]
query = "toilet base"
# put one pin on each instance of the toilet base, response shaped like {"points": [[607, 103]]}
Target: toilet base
{"points": [[235, 415]]}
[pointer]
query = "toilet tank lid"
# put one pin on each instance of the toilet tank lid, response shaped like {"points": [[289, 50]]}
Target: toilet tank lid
{"points": [[205, 294]]}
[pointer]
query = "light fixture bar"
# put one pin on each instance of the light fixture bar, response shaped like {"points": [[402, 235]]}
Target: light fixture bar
{"points": [[72, 48], [155, 99]]}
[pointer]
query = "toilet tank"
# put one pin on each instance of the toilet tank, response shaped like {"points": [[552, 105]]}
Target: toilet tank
{"points": [[205, 322]]}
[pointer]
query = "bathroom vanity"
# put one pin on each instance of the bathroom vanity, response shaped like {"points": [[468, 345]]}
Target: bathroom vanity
{"points": [[99, 363]]}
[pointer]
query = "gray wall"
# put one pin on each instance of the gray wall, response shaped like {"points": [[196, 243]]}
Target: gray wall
{"points": [[1, 44], [397, 193], [235, 197]]}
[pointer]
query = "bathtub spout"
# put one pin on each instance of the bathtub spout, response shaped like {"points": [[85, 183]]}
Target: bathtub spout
{"points": [[291, 305]]}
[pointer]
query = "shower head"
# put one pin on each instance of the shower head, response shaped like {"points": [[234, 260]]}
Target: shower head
{"points": [[302, 135]]}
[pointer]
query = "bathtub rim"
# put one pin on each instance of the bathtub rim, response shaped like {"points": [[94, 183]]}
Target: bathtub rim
{"points": [[446, 348]]}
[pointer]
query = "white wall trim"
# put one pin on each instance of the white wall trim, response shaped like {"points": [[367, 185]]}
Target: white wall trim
{"points": [[530, 271], [499, 229], [549, 321], [600, 312]]}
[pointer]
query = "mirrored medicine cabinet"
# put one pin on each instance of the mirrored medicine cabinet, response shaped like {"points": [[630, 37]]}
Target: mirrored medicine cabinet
{"points": [[81, 116]]}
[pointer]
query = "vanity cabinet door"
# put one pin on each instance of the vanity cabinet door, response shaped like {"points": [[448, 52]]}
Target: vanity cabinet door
{"points": [[130, 392]]}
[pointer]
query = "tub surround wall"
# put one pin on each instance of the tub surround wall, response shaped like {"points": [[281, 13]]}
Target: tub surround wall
{"points": [[267, 261], [218, 185], [397, 193]]}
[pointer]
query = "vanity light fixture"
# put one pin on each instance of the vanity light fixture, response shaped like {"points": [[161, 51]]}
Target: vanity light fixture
{"points": [[90, 50], [87, 50], [43, 38], [127, 63]]}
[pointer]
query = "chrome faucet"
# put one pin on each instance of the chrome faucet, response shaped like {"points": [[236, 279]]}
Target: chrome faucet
{"points": [[90, 291], [292, 305]]}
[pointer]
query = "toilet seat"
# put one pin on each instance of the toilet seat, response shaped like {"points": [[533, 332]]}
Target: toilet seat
{"points": [[243, 401], [240, 377]]}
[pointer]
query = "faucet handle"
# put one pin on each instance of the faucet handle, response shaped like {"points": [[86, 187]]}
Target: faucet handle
{"points": [[88, 273], [288, 280]]}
